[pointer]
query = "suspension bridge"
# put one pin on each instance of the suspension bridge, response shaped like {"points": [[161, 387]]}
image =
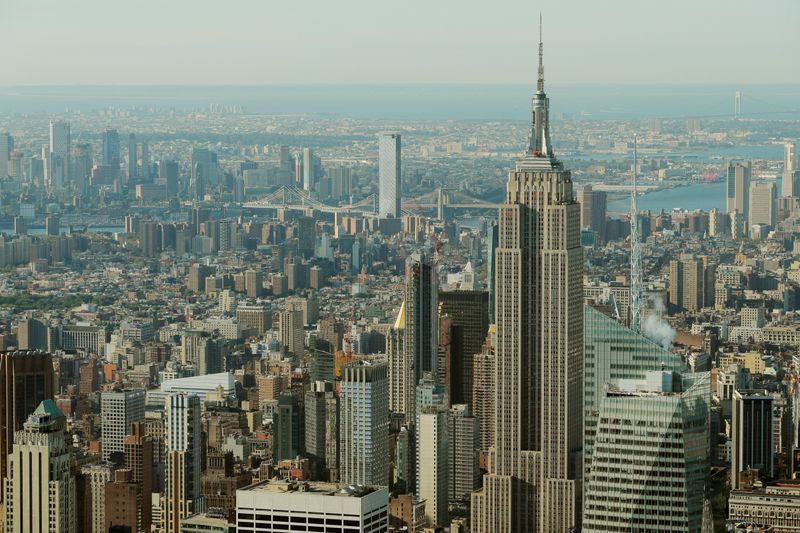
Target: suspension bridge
{"points": [[297, 199]]}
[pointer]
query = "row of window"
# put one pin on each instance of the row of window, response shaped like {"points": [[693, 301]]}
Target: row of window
{"points": [[284, 517], [249, 526]]}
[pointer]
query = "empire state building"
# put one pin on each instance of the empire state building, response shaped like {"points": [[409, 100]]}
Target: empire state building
{"points": [[533, 482]]}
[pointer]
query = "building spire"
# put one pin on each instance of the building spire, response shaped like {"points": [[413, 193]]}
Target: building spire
{"points": [[540, 151], [540, 82]]}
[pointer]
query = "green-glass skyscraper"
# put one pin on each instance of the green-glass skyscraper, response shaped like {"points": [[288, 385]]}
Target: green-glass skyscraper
{"points": [[612, 351], [651, 455]]}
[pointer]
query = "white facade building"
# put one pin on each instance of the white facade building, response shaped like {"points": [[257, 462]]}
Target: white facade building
{"points": [[311, 506], [197, 385], [364, 423], [91, 339], [433, 463], [119, 410], [228, 328], [227, 301], [389, 175], [58, 156]]}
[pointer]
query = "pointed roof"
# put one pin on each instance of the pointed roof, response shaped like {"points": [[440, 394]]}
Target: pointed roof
{"points": [[539, 154], [400, 323], [49, 407]]}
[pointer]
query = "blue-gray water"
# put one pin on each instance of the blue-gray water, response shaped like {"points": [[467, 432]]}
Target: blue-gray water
{"points": [[705, 196], [772, 151], [420, 101]]}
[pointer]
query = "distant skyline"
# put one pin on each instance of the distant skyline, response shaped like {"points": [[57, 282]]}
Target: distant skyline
{"points": [[252, 42]]}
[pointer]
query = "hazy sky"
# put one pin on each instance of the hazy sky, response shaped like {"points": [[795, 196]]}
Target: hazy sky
{"points": [[232, 42]]}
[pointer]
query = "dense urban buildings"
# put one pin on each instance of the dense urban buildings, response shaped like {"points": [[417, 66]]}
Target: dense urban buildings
{"points": [[221, 312]]}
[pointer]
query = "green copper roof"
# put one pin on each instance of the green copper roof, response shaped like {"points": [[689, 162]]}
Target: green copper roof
{"points": [[49, 407]]}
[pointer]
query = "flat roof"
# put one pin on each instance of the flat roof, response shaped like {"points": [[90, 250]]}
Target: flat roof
{"points": [[205, 520], [309, 487]]}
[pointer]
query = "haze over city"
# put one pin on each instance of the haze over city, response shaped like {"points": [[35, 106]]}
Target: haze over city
{"points": [[91, 42], [421, 267]]}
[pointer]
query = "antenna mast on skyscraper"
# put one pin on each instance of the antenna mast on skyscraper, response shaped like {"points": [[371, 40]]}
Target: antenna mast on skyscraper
{"points": [[636, 254], [540, 79]]}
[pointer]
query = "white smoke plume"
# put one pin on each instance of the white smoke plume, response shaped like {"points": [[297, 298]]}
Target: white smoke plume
{"points": [[656, 328]]}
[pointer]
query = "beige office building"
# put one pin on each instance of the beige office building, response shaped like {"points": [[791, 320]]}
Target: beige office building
{"points": [[290, 331], [97, 475], [691, 283], [762, 204], [737, 188], [483, 368], [433, 463], [256, 317], [40, 489], [400, 380], [533, 480], [776, 506]]}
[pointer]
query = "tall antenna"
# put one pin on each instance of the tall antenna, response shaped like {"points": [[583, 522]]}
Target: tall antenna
{"points": [[636, 254], [540, 82]]}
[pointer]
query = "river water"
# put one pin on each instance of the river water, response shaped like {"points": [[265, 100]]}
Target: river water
{"points": [[704, 196]]}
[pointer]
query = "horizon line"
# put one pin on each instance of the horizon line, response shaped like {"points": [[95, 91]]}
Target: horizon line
{"points": [[403, 84]]}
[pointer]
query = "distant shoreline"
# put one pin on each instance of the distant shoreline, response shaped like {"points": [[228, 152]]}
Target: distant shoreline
{"points": [[417, 102]]}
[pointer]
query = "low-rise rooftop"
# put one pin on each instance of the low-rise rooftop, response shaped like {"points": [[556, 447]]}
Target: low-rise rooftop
{"points": [[313, 487]]}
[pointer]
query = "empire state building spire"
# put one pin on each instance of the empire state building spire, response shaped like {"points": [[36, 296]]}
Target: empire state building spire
{"points": [[540, 82], [539, 146]]}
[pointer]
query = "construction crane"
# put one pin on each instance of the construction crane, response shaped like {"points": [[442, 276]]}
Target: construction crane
{"points": [[636, 254], [348, 335], [436, 241]]}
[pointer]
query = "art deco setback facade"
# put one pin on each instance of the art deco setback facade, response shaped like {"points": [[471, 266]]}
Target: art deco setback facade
{"points": [[533, 481]]}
